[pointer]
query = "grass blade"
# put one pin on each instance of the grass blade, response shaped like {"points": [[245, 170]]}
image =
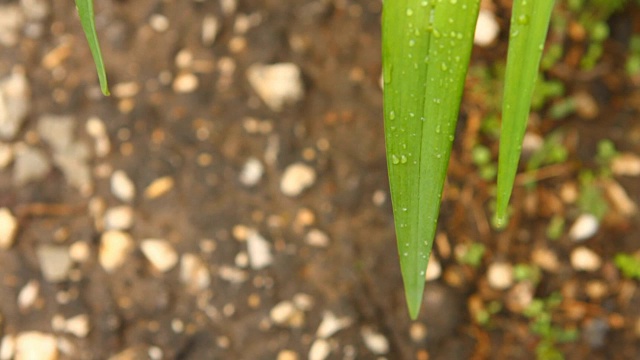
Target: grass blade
{"points": [[529, 24], [85, 10], [426, 51]]}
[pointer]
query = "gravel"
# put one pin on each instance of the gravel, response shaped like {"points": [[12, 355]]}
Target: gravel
{"points": [[34, 345], [118, 218], [8, 228], [320, 350], [55, 262], [194, 272], [276, 84], [259, 251], [115, 246], [252, 172], [122, 186], [296, 178], [331, 324], [585, 226], [374, 341], [585, 259], [317, 238], [30, 165], [160, 254], [487, 29], [14, 101], [500, 275]]}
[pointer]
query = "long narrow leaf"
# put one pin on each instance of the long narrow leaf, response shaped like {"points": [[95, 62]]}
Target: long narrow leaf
{"points": [[426, 51], [85, 10], [529, 24]]}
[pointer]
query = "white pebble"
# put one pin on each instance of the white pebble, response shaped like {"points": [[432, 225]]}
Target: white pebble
{"points": [[122, 187], [6, 155], [185, 82], [626, 164], [434, 269], [296, 178], [210, 27], [585, 259], [114, 248], [28, 294], [276, 84], [259, 251], [98, 131], [79, 251], [7, 347], [118, 218], [585, 226], [320, 349], [159, 22], [374, 341], [282, 312], [487, 28], [8, 228], [418, 332], [160, 254], [194, 273], [34, 345], [331, 324], [77, 325], [287, 355], [317, 238], [55, 262], [500, 275], [159, 187], [251, 172]]}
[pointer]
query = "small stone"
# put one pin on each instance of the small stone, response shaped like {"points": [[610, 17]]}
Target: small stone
{"points": [[296, 178], [78, 325], [259, 251], [32, 345], [98, 131], [418, 332], [74, 166], [159, 187], [160, 254], [626, 164], [6, 155], [232, 274], [185, 82], [118, 218], [122, 187], [35, 10], [115, 246], [210, 27], [30, 165], [500, 275], [487, 28], [586, 105], [55, 262], [159, 22], [251, 172], [194, 273], [317, 238], [282, 312], [546, 259], [14, 97], [620, 199], [276, 84], [595, 332], [585, 259], [303, 301], [434, 269], [28, 295], [287, 355], [320, 350], [585, 226], [80, 251], [7, 347], [331, 324], [8, 228], [374, 341], [57, 131]]}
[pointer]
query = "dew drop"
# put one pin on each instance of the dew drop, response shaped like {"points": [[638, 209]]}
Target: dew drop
{"points": [[395, 160], [409, 12], [392, 115], [403, 159]]}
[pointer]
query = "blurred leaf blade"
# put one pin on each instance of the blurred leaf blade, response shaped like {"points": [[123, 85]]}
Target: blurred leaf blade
{"points": [[86, 13], [426, 51], [529, 25]]}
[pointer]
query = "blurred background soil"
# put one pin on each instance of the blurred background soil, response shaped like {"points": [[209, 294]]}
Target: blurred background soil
{"points": [[230, 199]]}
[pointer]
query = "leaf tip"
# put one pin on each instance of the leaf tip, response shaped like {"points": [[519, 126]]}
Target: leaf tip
{"points": [[414, 301]]}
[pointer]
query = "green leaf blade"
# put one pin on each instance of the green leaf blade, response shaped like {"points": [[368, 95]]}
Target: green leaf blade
{"points": [[529, 25], [85, 11], [426, 51]]}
